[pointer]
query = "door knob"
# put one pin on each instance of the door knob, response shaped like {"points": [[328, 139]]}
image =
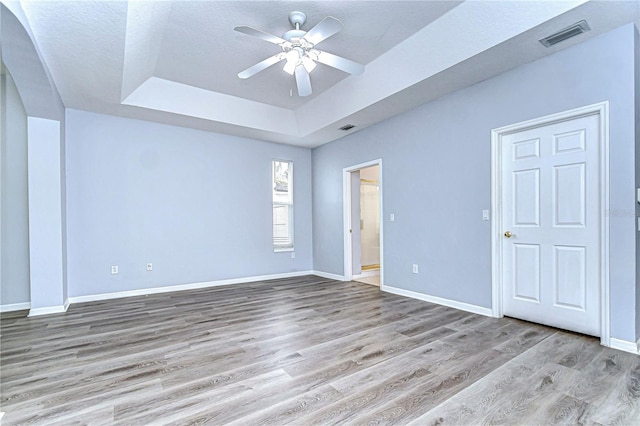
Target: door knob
{"points": [[508, 234]]}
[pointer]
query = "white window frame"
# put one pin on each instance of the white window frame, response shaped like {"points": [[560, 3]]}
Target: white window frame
{"points": [[289, 203]]}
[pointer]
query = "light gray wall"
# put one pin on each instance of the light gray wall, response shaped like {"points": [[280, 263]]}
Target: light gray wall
{"points": [[436, 174], [195, 204], [14, 263]]}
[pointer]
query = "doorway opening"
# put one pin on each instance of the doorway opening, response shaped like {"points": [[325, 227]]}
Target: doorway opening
{"points": [[363, 223]]}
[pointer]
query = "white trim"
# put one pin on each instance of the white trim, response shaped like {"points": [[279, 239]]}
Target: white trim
{"points": [[365, 274], [329, 275], [181, 287], [346, 220], [48, 310], [602, 110], [15, 307], [346, 216], [480, 310], [624, 345], [605, 183]]}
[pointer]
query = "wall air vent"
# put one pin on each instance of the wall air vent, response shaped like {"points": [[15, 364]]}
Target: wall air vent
{"points": [[562, 35], [347, 127]]}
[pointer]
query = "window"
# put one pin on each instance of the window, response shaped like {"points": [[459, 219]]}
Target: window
{"points": [[282, 205]]}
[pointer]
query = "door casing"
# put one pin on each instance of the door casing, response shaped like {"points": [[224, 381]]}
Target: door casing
{"points": [[346, 203], [602, 111]]}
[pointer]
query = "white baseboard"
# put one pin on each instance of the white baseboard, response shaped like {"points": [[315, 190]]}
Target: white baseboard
{"points": [[15, 307], [181, 287], [624, 345], [328, 275], [366, 274], [439, 300], [49, 310]]}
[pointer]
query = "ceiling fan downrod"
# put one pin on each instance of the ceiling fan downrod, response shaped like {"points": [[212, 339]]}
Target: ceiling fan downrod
{"points": [[297, 19]]}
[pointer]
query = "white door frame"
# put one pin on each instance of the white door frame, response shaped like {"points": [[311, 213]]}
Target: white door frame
{"points": [[602, 111], [346, 204]]}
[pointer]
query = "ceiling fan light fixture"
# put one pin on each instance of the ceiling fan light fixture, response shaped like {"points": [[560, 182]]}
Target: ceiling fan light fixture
{"points": [[293, 59], [290, 67], [293, 56], [308, 63]]}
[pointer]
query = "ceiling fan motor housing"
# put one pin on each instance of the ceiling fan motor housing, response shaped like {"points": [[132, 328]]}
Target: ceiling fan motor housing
{"points": [[294, 36], [297, 19]]}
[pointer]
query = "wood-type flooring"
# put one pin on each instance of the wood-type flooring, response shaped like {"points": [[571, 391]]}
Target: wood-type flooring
{"points": [[304, 351]]}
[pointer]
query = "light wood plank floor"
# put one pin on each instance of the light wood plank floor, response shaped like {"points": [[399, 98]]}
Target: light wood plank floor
{"points": [[304, 351]]}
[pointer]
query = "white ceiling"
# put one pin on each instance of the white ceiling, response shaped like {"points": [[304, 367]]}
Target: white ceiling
{"points": [[177, 61]]}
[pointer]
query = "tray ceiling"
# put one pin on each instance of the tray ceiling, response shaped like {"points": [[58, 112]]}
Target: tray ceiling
{"points": [[177, 61]]}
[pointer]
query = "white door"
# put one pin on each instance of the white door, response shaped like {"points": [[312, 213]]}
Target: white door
{"points": [[551, 220]]}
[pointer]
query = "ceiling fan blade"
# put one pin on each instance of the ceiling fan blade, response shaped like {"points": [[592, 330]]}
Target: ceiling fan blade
{"points": [[261, 34], [340, 63], [325, 29], [261, 66], [303, 81]]}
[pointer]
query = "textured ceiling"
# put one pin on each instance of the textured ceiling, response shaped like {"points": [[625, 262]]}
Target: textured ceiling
{"points": [[200, 48], [177, 61]]}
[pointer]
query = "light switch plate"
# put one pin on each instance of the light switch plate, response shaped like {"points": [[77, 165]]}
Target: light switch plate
{"points": [[485, 214], [392, 217]]}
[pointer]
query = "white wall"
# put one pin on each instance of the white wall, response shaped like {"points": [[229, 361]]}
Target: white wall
{"points": [[14, 235], [195, 204], [445, 145], [46, 211]]}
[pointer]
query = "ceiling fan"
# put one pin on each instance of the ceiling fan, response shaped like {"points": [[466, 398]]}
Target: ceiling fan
{"points": [[298, 49]]}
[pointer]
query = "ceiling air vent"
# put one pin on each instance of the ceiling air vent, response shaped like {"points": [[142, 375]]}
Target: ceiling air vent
{"points": [[347, 127], [562, 35]]}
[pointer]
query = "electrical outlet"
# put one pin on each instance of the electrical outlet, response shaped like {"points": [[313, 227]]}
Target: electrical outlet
{"points": [[392, 217], [293, 254], [414, 269], [149, 266], [114, 269]]}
